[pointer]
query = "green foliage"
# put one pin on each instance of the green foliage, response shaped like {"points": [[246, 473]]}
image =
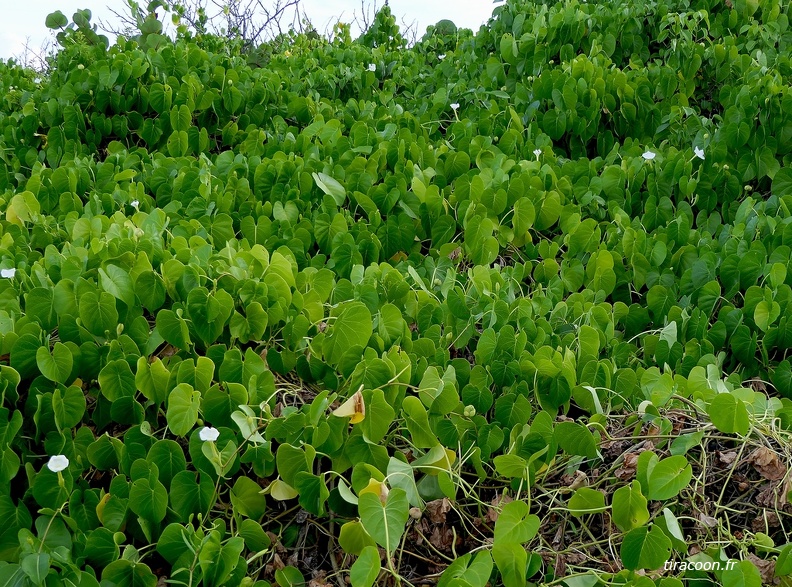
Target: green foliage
{"points": [[352, 307]]}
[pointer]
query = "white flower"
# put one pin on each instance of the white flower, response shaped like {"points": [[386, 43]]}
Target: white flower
{"points": [[80, 66], [455, 106], [57, 463], [9, 273], [537, 152], [372, 67], [208, 433], [441, 56], [649, 155], [698, 152], [134, 204]]}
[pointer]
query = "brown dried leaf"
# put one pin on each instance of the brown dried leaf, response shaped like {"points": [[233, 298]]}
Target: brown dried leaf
{"points": [[277, 563], [492, 513], [560, 566], [575, 558], [276, 541], [767, 463], [559, 537], [767, 520], [627, 469], [438, 509], [580, 480], [727, 458], [774, 495], [319, 580], [766, 569], [442, 538], [757, 384], [707, 521]]}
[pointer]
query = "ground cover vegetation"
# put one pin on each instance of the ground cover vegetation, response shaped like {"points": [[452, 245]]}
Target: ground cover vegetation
{"points": [[502, 308]]}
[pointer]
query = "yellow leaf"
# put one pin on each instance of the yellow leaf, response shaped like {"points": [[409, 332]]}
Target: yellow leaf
{"points": [[354, 407], [437, 458], [378, 488], [281, 490]]}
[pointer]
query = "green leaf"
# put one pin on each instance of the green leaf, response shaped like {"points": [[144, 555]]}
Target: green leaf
{"points": [[515, 523], [729, 414], [150, 290], [783, 565], [116, 380], [782, 182], [189, 496], [116, 282], [148, 499], [586, 501], [173, 328], [418, 423], [125, 573], [98, 313], [576, 439], [256, 539], [331, 187], [400, 474], [352, 327], [183, 404], [643, 548], [629, 507], [366, 568], [512, 562], [379, 415], [668, 477], [353, 538], [169, 459], [474, 574], [36, 566], [741, 574], [219, 560], [152, 379], [56, 366], [56, 20], [385, 522], [289, 577], [101, 548], [247, 499], [68, 407]]}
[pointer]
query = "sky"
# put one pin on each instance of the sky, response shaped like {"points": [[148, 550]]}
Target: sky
{"points": [[23, 20]]}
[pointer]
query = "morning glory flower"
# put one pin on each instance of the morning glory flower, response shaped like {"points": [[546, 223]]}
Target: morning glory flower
{"points": [[58, 463], [455, 106], [698, 152], [537, 152], [9, 273], [134, 204], [441, 56], [208, 433], [649, 155], [372, 67]]}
